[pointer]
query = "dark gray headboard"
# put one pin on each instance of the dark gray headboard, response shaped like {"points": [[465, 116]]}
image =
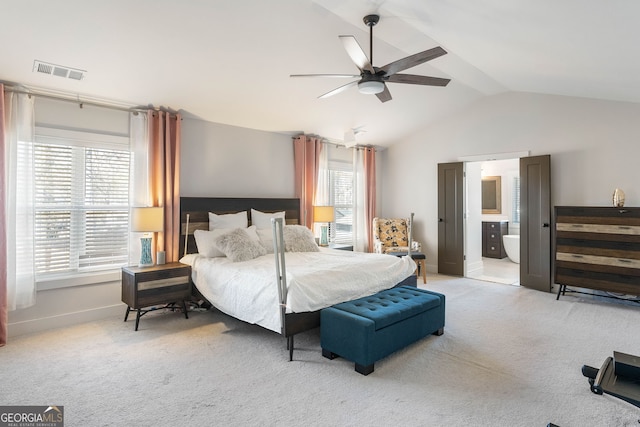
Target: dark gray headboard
{"points": [[198, 209]]}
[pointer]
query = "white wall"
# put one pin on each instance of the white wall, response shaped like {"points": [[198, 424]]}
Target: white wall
{"points": [[473, 223], [593, 146], [227, 161]]}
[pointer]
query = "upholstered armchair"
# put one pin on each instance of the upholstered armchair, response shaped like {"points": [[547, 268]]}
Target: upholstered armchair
{"points": [[392, 235]]}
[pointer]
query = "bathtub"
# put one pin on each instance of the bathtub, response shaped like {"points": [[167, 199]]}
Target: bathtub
{"points": [[512, 247]]}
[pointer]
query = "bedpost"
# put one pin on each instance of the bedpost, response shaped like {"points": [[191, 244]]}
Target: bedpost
{"points": [[281, 274], [186, 236], [410, 234]]}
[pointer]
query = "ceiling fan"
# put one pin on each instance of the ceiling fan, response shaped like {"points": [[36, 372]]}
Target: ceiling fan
{"points": [[373, 79]]}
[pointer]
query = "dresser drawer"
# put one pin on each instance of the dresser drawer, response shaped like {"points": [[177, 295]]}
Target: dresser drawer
{"points": [[492, 232], [597, 248]]}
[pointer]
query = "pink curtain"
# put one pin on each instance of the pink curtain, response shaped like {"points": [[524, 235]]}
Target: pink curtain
{"points": [[4, 317], [306, 151], [164, 165], [369, 168]]}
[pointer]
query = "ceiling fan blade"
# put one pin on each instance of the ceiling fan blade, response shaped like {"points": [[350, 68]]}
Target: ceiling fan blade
{"points": [[339, 89], [385, 95], [413, 60], [356, 53], [351, 76], [418, 80]]}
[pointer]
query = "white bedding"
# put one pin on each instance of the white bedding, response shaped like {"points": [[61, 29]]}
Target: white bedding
{"points": [[248, 290]]}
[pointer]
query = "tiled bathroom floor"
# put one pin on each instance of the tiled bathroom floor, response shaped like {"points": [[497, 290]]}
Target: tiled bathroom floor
{"points": [[499, 271]]}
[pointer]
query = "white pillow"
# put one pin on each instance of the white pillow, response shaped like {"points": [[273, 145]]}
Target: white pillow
{"points": [[228, 221], [298, 238], [265, 236], [262, 220], [238, 246], [189, 259], [205, 240]]}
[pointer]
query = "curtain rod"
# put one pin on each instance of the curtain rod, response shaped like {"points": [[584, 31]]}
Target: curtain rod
{"points": [[77, 100], [341, 144]]}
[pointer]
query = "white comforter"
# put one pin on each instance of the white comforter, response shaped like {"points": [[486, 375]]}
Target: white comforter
{"points": [[248, 290]]}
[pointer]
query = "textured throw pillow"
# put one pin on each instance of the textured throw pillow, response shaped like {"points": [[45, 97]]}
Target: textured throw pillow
{"points": [[228, 221], [262, 220], [298, 238], [238, 246]]}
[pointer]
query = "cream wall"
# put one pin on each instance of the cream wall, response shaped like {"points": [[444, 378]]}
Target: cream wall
{"points": [[227, 161], [594, 147]]}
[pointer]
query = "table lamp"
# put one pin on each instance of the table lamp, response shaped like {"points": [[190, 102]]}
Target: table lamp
{"points": [[147, 220], [325, 215]]}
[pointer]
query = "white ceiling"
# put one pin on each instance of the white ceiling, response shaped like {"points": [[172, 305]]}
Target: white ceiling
{"points": [[229, 61]]}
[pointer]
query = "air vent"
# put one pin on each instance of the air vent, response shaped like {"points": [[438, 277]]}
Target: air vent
{"points": [[58, 70]]}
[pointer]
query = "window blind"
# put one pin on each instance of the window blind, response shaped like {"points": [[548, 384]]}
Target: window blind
{"points": [[81, 203], [341, 197], [516, 200]]}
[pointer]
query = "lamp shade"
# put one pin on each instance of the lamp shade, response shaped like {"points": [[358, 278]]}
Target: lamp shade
{"points": [[147, 220], [323, 214]]}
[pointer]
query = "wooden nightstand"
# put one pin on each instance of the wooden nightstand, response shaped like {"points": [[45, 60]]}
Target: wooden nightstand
{"points": [[161, 284]]}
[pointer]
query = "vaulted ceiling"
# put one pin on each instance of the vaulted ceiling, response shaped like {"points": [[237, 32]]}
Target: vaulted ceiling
{"points": [[229, 61]]}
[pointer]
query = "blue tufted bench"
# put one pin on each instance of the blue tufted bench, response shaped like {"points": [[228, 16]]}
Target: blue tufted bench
{"points": [[370, 328]]}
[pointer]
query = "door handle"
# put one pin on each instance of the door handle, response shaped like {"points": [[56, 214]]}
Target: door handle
{"points": [[545, 225]]}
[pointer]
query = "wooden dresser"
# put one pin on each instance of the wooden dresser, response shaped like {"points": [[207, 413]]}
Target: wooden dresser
{"points": [[492, 232], [597, 248]]}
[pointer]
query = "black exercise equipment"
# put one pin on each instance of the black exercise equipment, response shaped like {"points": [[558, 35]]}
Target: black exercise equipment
{"points": [[619, 376]]}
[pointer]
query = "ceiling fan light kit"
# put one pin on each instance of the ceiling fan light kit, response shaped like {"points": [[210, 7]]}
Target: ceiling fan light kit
{"points": [[373, 79], [370, 87]]}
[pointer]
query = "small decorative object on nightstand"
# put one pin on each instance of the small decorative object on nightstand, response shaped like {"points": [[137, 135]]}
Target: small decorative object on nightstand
{"points": [[144, 287]]}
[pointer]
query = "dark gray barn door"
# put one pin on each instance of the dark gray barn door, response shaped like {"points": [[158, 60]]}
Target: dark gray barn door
{"points": [[535, 222], [450, 218]]}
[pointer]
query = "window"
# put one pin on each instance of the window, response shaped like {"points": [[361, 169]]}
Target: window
{"points": [[516, 200], [81, 201], [341, 197]]}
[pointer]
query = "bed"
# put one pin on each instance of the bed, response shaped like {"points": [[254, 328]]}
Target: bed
{"points": [[282, 291]]}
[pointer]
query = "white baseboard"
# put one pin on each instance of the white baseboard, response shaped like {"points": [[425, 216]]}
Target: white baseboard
{"points": [[63, 320]]}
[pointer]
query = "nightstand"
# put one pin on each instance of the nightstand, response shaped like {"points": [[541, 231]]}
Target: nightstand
{"points": [[341, 246], [144, 287]]}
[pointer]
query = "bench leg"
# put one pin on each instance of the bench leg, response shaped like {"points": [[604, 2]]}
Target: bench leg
{"points": [[329, 355], [364, 370], [439, 332]]}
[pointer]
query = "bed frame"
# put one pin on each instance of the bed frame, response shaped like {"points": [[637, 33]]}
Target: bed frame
{"points": [[198, 208]]}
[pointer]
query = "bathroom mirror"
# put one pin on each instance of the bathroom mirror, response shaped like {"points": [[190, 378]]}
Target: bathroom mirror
{"points": [[491, 195]]}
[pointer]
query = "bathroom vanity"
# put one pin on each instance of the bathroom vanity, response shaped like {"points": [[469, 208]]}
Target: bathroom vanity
{"points": [[492, 232]]}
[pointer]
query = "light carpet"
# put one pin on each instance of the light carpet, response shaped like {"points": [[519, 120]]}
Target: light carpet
{"points": [[509, 356]]}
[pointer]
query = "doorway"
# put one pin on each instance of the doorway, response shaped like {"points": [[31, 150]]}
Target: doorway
{"points": [[535, 218], [493, 206]]}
